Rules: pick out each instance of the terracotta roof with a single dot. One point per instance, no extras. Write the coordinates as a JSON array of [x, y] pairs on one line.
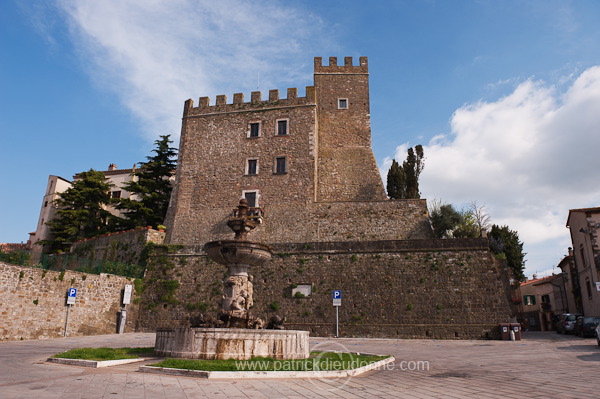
[[112, 172], [118, 172], [542, 280]]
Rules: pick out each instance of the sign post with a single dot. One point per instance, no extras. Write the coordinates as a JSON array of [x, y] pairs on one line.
[[336, 295], [126, 300], [71, 296]]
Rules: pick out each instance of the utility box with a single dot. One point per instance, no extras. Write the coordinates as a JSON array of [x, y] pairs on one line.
[[504, 331], [516, 328]]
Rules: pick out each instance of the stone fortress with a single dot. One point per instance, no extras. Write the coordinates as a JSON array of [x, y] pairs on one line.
[[305, 166], [307, 161]]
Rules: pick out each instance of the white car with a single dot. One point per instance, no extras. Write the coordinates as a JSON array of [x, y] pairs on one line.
[[598, 334]]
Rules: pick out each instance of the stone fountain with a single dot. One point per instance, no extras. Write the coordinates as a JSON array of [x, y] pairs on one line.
[[236, 334]]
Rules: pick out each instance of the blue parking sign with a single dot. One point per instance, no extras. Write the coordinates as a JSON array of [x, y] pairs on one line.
[[336, 294], [71, 295]]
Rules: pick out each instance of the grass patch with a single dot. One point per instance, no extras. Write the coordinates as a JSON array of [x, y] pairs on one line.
[[316, 361], [105, 353]]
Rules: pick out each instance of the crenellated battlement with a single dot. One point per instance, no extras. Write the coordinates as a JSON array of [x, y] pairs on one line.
[[333, 67], [256, 102]]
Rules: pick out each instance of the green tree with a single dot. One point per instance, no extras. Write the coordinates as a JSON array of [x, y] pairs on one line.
[[81, 211], [447, 222], [152, 188], [403, 181], [444, 219], [467, 226], [504, 241]]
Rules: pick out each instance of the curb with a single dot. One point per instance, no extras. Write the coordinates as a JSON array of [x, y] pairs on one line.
[[95, 363], [266, 374]]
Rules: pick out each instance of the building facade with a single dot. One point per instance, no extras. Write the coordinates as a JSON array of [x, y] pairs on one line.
[[57, 185], [584, 226], [539, 300]]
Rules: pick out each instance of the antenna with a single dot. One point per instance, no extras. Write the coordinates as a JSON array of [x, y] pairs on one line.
[[257, 80]]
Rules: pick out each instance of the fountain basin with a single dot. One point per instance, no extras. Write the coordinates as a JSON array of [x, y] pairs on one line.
[[238, 343], [234, 252]]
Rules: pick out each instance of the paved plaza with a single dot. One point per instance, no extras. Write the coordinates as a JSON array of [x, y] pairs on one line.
[[542, 365]]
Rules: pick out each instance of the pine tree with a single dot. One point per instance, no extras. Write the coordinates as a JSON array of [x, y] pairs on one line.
[[152, 188], [82, 211]]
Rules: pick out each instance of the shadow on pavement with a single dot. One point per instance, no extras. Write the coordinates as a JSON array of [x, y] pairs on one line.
[[594, 357], [579, 348]]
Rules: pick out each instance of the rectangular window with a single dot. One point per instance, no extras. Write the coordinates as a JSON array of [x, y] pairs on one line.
[[252, 167], [252, 198], [342, 103], [280, 165], [115, 194], [254, 129], [588, 286], [282, 128], [545, 298], [529, 299]]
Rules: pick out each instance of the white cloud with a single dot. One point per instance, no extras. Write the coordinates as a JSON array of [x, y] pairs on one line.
[[530, 157], [156, 54]]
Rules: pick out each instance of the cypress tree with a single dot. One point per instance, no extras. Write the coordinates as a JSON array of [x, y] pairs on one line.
[[403, 181]]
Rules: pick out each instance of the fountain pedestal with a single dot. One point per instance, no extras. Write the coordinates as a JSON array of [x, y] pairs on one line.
[[231, 343], [237, 340]]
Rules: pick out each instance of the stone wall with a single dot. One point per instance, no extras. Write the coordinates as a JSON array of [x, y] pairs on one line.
[[418, 288], [321, 222], [212, 170], [33, 303], [125, 246]]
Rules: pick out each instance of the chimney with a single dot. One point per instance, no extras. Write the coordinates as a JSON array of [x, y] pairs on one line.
[[112, 166]]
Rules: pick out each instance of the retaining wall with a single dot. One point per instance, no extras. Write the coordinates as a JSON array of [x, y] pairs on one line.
[[33, 303], [407, 289]]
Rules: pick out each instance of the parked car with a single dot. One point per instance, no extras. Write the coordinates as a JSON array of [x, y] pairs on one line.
[[585, 326], [598, 334], [566, 323]]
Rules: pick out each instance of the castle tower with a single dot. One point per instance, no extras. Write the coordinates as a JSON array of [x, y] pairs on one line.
[[346, 166], [307, 161]]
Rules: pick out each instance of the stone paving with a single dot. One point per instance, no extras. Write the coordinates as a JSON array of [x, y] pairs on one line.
[[542, 365]]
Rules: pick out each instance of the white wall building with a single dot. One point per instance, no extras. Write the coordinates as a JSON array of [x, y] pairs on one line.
[[57, 185]]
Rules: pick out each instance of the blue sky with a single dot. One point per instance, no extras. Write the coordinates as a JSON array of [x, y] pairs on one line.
[[504, 95]]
